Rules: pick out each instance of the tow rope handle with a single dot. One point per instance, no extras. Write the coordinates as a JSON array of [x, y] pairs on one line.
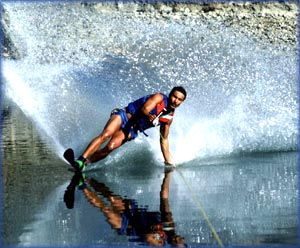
[[155, 122]]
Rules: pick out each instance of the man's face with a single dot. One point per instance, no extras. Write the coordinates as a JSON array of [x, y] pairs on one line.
[[175, 99]]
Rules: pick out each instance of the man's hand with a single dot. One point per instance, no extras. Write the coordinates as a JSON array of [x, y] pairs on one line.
[[151, 117], [171, 163]]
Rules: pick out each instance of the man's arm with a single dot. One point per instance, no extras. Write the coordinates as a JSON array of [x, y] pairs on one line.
[[164, 199], [164, 143], [150, 104]]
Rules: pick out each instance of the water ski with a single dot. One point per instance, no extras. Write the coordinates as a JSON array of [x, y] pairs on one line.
[[69, 156]]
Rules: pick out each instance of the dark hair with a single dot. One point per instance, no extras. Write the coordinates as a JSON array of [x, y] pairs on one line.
[[180, 89]]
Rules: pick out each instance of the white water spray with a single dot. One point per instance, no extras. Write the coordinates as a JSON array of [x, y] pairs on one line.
[[241, 97]]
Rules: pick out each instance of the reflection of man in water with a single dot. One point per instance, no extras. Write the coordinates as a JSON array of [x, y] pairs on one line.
[[154, 228]]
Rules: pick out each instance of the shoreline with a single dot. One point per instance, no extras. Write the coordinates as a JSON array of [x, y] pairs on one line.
[[267, 22]]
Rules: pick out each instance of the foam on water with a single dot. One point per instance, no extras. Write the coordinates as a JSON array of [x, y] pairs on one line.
[[80, 64]]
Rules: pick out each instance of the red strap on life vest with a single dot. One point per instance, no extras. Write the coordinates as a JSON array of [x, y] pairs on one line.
[[165, 118], [160, 107]]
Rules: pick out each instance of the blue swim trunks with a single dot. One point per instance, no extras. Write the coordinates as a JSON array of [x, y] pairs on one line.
[[126, 125]]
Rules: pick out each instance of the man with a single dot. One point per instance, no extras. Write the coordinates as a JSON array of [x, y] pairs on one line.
[[124, 125]]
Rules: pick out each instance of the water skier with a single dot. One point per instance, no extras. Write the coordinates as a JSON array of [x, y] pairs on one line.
[[124, 125]]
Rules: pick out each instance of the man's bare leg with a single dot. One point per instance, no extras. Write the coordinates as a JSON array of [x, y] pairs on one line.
[[112, 126], [116, 141]]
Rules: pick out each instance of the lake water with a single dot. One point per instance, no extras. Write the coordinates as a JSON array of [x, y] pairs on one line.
[[247, 200]]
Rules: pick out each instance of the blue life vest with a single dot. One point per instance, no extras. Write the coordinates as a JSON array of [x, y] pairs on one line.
[[143, 122]]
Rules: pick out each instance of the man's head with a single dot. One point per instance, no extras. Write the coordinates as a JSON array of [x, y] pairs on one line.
[[176, 97], [180, 89]]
